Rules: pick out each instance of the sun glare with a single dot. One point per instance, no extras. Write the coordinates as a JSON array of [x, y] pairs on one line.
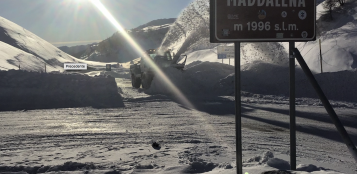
[[159, 73], [141, 52]]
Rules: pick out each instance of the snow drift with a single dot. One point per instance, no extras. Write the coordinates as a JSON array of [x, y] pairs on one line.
[[33, 90], [199, 78]]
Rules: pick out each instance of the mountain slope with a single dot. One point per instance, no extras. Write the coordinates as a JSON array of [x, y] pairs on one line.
[[116, 48], [28, 48], [338, 40], [76, 51], [25, 60]]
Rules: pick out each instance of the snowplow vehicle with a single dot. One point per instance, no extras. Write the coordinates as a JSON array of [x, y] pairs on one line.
[[142, 73]]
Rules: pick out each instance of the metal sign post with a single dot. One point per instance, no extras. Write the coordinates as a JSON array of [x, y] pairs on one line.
[[339, 126], [263, 21], [238, 117], [320, 55], [292, 107], [108, 67]]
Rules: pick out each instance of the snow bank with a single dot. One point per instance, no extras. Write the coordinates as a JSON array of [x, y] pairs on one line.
[[269, 79], [212, 78], [199, 78], [67, 166], [268, 164], [273, 53], [32, 90]]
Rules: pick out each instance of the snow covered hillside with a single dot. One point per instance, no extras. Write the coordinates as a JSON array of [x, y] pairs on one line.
[[190, 35], [76, 51], [12, 58], [338, 40], [117, 49], [18, 45]]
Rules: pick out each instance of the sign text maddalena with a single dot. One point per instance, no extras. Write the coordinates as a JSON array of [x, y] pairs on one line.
[[267, 3]]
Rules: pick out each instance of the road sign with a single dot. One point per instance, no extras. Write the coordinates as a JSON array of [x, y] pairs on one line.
[[225, 52], [262, 20], [108, 67]]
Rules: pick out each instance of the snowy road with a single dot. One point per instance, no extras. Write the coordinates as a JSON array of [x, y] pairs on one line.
[[120, 138]]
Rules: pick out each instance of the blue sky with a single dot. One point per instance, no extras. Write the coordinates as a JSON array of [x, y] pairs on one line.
[[77, 22]]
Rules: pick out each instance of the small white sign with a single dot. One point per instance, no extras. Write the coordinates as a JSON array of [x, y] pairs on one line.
[[225, 52], [75, 66]]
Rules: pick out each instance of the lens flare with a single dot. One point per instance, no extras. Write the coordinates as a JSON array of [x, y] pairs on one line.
[[141, 52], [159, 73]]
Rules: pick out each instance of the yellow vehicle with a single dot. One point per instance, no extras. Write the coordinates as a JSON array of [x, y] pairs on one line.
[[142, 73]]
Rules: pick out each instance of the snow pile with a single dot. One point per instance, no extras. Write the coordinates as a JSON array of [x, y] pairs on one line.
[[41, 51], [268, 159], [278, 163], [267, 163], [273, 53], [212, 78], [199, 78], [67, 166], [33, 90], [264, 78]]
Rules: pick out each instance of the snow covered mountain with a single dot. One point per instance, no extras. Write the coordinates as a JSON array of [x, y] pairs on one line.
[[117, 49], [19, 46], [76, 51]]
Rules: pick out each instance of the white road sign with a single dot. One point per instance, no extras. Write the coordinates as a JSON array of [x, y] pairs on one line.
[[225, 52]]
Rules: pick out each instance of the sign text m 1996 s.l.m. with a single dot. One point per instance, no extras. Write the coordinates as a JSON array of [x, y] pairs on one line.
[[262, 20]]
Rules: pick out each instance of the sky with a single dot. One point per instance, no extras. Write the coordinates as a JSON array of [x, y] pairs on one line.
[[78, 22]]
